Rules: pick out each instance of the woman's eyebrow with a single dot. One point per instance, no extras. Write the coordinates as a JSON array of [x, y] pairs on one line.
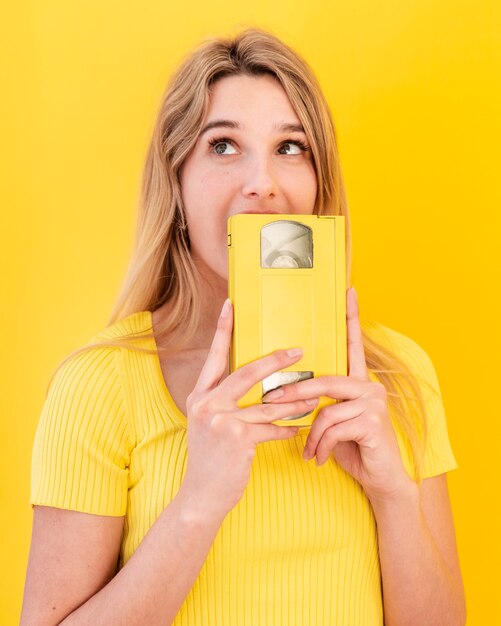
[[286, 128], [221, 124], [290, 128]]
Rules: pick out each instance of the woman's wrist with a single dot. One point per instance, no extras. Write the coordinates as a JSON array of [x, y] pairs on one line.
[[195, 511], [406, 495]]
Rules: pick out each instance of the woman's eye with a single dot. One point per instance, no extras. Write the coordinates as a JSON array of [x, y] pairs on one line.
[[292, 147], [222, 146]]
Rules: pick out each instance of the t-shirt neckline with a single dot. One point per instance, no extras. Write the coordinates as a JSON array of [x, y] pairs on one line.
[[177, 413]]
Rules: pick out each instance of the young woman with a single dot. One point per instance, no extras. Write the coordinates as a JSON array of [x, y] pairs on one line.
[[157, 499]]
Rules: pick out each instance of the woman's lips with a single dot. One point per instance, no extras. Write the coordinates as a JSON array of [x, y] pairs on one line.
[[260, 212]]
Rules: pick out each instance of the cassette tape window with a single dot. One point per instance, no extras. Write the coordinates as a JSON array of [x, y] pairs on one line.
[[286, 244], [158, 498]]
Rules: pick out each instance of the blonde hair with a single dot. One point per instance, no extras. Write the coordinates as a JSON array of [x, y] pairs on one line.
[[161, 269]]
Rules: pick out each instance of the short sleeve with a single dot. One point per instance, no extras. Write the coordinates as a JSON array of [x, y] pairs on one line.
[[438, 454], [81, 449]]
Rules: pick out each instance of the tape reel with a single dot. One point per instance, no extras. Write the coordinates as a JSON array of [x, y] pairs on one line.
[[285, 378], [286, 244]]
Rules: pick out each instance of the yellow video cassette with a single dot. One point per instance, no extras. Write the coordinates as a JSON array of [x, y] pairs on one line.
[[287, 283]]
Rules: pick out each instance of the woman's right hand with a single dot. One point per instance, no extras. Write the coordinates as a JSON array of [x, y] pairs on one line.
[[222, 437]]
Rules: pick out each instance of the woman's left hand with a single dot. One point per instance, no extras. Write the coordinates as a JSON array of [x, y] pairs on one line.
[[357, 431]]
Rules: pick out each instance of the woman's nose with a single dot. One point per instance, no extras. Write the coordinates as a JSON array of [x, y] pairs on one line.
[[259, 180]]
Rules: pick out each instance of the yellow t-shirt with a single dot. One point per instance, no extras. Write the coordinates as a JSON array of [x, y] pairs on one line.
[[300, 548]]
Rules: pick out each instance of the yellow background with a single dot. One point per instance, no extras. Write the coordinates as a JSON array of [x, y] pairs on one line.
[[415, 92]]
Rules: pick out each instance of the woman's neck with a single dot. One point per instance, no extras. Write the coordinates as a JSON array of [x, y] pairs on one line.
[[212, 297]]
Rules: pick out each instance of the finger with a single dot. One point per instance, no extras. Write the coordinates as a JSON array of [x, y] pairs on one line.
[[328, 417], [217, 359], [271, 432], [336, 387], [267, 413], [356, 355], [346, 431], [244, 378]]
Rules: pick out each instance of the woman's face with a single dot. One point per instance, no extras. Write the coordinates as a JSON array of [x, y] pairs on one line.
[[251, 156]]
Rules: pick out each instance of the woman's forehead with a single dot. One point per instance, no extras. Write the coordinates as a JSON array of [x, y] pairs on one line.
[[241, 96]]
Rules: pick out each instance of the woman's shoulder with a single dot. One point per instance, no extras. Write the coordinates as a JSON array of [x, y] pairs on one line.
[[95, 362], [410, 351], [134, 324]]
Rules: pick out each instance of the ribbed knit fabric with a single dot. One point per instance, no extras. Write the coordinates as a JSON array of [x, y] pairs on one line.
[[299, 549]]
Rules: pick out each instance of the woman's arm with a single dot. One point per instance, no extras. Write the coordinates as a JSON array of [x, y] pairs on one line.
[[419, 562], [74, 555], [421, 580], [72, 565]]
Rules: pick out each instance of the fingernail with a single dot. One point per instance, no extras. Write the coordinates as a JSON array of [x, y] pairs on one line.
[[273, 395], [312, 401], [294, 352], [354, 292], [226, 308], [306, 455]]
